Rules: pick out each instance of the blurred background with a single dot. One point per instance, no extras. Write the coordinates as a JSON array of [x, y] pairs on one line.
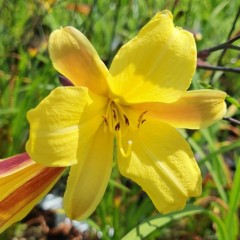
[[27, 76]]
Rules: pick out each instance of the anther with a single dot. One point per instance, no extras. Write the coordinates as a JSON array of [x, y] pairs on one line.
[[114, 114], [117, 127], [105, 119], [126, 119], [140, 119]]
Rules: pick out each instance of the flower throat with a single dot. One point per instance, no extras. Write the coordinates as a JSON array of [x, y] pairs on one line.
[[118, 123]]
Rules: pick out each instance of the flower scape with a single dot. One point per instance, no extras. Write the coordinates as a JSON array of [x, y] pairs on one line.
[[136, 105]]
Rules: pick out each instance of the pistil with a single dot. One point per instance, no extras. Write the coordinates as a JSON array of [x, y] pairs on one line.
[[129, 145]]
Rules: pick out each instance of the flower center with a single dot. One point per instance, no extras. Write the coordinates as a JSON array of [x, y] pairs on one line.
[[118, 123]]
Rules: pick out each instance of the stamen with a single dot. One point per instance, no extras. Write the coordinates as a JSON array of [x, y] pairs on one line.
[[105, 119], [105, 126], [140, 119], [109, 117], [117, 127], [126, 119], [114, 115], [129, 148]]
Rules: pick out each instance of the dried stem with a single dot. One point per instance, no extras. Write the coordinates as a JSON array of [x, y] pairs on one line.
[[203, 54], [229, 36], [232, 120], [206, 52], [218, 68]]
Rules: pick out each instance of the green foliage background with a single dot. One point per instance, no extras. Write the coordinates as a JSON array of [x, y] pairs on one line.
[[27, 76]]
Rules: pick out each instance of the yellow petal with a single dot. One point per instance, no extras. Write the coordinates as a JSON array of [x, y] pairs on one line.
[[194, 110], [73, 56], [162, 163], [155, 66], [54, 126], [23, 189], [88, 179]]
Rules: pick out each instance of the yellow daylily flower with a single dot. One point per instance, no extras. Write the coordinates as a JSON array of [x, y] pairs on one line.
[[139, 101]]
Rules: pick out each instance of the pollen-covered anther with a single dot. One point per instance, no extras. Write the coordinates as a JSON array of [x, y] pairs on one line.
[[115, 118], [105, 119], [141, 120], [117, 127], [126, 119]]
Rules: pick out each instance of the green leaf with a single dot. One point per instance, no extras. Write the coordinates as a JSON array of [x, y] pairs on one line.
[[152, 224], [233, 101], [232, 215], [221, 230]]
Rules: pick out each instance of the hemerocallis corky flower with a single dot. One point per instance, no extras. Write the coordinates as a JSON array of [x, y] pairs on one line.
[[139, 102], [22, 184]]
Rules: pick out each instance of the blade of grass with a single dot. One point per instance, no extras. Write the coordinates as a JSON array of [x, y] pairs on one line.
[[152, 224], [221, 229], [216, 160], [234, 201], [210, 168], [224, 149]]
